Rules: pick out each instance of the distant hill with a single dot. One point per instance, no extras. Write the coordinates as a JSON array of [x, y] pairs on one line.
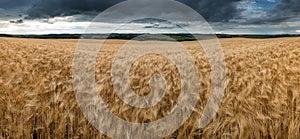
[[166, 37]]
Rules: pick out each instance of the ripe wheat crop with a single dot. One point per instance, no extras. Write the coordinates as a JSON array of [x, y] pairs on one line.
[[261, 99]]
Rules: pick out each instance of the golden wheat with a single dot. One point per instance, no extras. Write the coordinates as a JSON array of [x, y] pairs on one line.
[[261, 99]]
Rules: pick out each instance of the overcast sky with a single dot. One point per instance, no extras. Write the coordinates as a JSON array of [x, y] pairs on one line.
[[74, 16]]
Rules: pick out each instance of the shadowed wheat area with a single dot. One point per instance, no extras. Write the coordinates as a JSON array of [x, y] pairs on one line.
[[261, 99]]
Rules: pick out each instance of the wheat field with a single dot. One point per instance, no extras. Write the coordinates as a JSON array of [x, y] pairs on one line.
[[261, 99]]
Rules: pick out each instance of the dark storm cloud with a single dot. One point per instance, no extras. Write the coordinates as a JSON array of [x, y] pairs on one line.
[[19, 21], [9, 4], [215, 10], [12, 9], [53, 8], [211, 10], [291, 7]]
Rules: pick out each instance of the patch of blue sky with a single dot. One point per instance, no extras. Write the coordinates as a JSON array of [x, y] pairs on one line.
[[256, 8], [267, 4]]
